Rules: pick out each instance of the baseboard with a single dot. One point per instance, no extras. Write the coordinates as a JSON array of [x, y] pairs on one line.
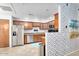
[[71, 52]]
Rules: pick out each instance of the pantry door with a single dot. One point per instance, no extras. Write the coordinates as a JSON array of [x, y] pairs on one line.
[[4, 33]]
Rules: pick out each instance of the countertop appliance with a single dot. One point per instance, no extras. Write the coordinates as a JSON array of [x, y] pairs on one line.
[[51, 28], [35, 29]]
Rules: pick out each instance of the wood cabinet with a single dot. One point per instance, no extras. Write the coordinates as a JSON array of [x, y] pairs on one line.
[[15, 22], [36, 38], [4, 33], [56, 24], [27, 25], [44, 26], [25, 39], [39, 38], [42, 36], [36, 24]]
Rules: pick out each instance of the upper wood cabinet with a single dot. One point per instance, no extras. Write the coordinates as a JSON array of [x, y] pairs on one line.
[[17, 22], [27, 25], [36, 24], [44, 26], [54, 22], [30, 25]]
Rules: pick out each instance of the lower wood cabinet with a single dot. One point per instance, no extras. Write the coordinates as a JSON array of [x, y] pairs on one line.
[[39, 38], [36, 38], [25, 39]]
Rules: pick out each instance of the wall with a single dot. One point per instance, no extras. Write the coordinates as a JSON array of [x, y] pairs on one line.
[[59, 43], [78, 11]]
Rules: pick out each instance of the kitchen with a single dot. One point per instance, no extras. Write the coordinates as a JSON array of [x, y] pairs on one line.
[[39, 29], [34, 32], [22, 31], [36, 28]]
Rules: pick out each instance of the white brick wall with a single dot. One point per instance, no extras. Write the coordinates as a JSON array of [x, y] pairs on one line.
[[59, 44]]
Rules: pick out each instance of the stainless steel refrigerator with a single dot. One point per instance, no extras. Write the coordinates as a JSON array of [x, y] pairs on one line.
[[17, 35]]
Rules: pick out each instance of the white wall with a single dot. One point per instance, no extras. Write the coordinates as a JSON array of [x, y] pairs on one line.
[[4, 16], [59, 43], [78, 15]]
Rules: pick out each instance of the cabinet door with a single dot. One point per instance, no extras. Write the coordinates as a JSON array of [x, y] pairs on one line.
[[27, 25], [36, 24], [25, 39], [39, 38], [44, 26], [42, 36], [36, 38], [56, 24]]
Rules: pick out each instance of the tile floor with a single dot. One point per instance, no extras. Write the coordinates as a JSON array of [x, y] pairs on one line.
[[26, 50], [74, 54]]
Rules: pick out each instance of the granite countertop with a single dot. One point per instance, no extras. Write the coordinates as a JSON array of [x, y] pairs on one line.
[[25, 33]]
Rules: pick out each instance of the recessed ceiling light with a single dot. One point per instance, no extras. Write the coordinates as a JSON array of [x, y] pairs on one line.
[[78, 9], [30, 14], [67, 4]]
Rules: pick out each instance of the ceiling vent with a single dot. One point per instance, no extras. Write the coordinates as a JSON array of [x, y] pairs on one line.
[[6, 8]]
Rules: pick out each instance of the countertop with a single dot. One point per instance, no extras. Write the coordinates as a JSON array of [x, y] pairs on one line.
[[31, 32]]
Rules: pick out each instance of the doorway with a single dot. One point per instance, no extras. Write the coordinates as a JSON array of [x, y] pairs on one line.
[[4, 33]]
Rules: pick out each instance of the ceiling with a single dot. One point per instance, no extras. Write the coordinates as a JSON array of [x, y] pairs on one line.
[[41, 11], [35, 10]]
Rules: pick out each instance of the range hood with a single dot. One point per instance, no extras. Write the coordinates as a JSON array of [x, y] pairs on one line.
[[35, 29]]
